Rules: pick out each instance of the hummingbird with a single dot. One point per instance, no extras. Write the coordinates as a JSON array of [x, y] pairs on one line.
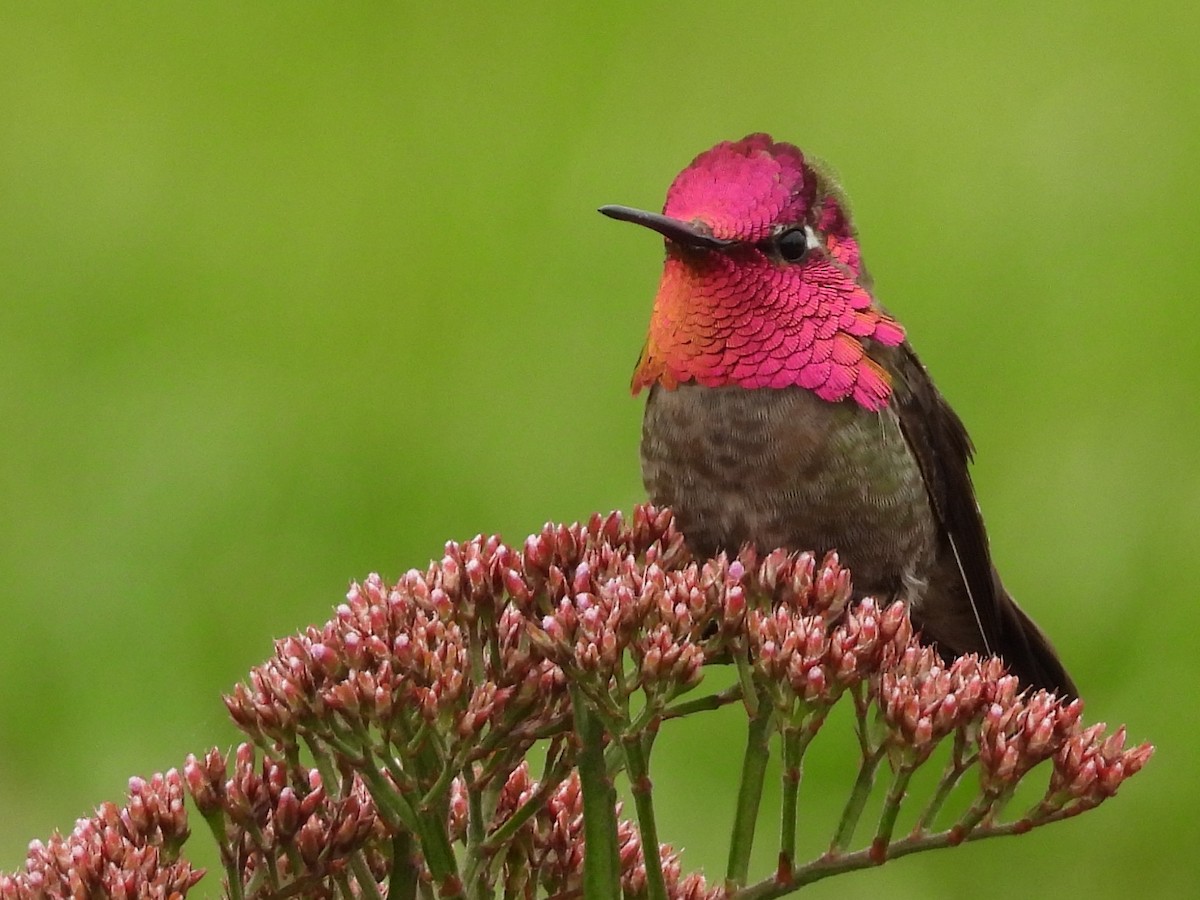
[[786, 408]]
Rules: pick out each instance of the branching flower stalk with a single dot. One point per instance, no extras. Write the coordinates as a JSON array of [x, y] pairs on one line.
[[391, 751]]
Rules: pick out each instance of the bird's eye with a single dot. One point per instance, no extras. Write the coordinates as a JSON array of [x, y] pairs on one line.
[[792, 244]]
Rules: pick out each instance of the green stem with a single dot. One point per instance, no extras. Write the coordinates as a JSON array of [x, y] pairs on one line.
[[475, 649], [998, 805], [791, 776], [703, 704], [956, 767], [754, 772], [325, 766], [751, 695], [270, 869], [402, 885], [391, 803], [426, 753], [367, 886], [440, 788], [650, 735], [557, 725], [258, 885], [475, 820], [639, 780], [614, 760], [650, 712], [858, 799], [439, 854], [975, 813], [342, 880], [474, 873], [836, 864], [494, 643], [601, 863], [891, 809], [216, 824], [862, 718], [534, 804], [303, 886], [795, 745], [428, 825]]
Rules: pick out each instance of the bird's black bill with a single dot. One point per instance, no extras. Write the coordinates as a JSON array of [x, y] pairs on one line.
[[682, 233]]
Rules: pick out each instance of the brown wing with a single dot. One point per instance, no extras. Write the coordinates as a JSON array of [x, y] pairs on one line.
[[966, 608]]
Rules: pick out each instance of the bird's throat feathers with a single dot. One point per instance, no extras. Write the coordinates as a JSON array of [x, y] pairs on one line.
[[757, 313]]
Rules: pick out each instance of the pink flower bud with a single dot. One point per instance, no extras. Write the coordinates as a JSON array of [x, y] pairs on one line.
[[538, 553], [476, 576]]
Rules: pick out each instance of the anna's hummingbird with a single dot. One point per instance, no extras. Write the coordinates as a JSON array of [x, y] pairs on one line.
[[786, 408]]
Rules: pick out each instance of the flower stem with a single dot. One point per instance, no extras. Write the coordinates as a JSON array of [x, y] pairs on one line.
[[795, 744], [601, 863], [216, 824], [435, 842], [639, 780], [496, 840], [792, 773], [857, 801], [970, 819], [754, 770], [836, 864], [751, 696], [700, 704], [474, 874], [367, 886], [891, 809], [392, 805], [956, 767], [402, 885]]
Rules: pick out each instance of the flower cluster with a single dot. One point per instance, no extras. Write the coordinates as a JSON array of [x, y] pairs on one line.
[[390, 747], [120, 852], [814, 658], [279, 828], [1021, 730], [547, 848], [1090, 766], [450, 647], [923, 700]]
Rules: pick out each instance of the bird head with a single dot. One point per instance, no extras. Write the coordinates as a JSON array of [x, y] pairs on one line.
[[763, 285]]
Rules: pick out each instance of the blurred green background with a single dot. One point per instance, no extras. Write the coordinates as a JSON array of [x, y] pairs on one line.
[[292, 294]]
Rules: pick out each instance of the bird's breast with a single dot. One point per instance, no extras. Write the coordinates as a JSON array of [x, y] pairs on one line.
[[783, 468]]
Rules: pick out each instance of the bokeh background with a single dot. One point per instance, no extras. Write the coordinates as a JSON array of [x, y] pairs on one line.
[[293, 294]]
